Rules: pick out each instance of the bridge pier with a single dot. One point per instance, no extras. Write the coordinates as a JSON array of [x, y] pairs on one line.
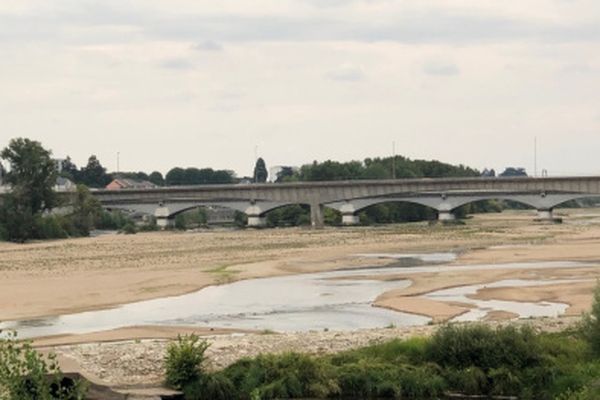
[[350, 219], [547, 215], [163, 219], [446, 215], [165, 223], [317, 219], [256, 221]]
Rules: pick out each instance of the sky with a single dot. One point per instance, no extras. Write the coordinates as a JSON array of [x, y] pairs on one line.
[[200, 83]]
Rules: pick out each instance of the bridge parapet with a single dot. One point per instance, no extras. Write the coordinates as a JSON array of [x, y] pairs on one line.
[[349, 197]]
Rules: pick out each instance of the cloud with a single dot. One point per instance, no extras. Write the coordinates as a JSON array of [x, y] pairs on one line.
[[208, 45], [346, 73], [440, 68], [426, 24], [177, 64]]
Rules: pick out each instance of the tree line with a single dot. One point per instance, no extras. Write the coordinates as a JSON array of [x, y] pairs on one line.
[[25, 211]]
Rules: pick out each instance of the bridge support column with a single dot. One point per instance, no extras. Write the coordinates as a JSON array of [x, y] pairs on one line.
[[350, 219], [547, 215], [165, 223], [163, 220], [256, 221], [317, 220], [446, 215]]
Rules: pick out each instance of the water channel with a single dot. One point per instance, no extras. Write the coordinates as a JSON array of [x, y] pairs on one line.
[[304, 302]]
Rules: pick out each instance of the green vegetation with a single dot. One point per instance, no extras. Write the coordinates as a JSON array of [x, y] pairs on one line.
[[31, 210], [27, 375], [468, 360], [184, 360], [260, 171], [194, 176]]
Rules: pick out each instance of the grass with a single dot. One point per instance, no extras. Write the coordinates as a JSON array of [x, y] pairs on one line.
[[223, 274]]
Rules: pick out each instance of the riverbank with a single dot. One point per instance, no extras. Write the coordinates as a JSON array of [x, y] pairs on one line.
[[131, 364]]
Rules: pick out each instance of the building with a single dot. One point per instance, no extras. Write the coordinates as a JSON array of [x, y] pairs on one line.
[[125, 183], [64, 185]]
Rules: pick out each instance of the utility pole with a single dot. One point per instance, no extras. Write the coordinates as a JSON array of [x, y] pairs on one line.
[[393, 160], [118, 161], [535, 157], [255, 160]]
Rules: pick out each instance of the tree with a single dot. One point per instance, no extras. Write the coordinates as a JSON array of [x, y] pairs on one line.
[[156, 178], [32, 174], [510, 172], [285, 174], [260, 171], [32, 177], [69, 170], [175, 177], [2, 174], [94, 174], [86, 211]]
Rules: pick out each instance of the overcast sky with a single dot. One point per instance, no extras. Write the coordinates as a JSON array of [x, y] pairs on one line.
[[201, 83]]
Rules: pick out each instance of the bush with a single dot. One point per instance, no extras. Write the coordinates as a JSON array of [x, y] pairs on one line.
[[129, 228], [421, 383], [184, 360], [591, 324], [485, 348], [288, 375], [27, 375], [369, 379], [51, 227], [210, 387], [180, 223]]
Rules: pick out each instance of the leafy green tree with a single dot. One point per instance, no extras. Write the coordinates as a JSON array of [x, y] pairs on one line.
[[69, 170], [32, 177], [156, 178], [194, 176], [510, 172], [285, 175], [175, 177], [260, 171], [32, 174], [87, 211], [94, 174]]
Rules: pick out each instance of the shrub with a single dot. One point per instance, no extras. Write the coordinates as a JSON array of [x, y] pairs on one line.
[[27, 375], [288, 375], [129, 228], [471, 381], [369, 379], [50, 227], [591, 324], [180, 223], [210, 387], [184, 359], [484, 347], [421, 383]]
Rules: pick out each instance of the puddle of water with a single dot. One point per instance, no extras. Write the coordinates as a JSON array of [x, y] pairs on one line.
[[483, 307], [430, 258], [291, 303]]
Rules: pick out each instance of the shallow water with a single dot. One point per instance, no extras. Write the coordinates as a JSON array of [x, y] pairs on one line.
[[291, 303], [482, 307]]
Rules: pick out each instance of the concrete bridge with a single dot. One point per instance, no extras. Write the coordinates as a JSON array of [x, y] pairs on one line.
[[349, 197]]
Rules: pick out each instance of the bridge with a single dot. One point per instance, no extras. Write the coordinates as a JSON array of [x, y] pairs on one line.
[[350, 197]]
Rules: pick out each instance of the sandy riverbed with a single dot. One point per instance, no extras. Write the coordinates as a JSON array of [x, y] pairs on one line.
[[51, 278]]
